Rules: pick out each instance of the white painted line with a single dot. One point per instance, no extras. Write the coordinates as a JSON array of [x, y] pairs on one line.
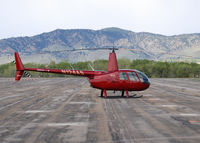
[[86, 88], [148, 95], [84, 93], [170, 105], [181, 114], [29, 125], [69, 90], [10, 105], [65, 124], [167, 138], [185, 114], [154, 99], [82, 103], [38, 111], [11, 96]]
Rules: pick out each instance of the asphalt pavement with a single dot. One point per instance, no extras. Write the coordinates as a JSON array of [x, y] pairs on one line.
[[68, 110]]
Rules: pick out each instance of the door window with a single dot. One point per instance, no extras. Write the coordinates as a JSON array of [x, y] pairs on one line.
[[122, 76], [132, 76]]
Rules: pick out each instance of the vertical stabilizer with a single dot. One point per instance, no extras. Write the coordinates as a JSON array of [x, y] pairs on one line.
[[19, 67], [112, 63]]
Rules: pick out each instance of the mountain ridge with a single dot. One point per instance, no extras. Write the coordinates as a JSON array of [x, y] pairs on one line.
[[144, 45]]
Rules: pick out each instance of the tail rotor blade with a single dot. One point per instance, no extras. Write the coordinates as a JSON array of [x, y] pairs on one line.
[[27, 74], [13, 62]]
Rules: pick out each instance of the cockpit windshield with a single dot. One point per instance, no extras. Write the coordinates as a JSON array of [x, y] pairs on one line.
[[143, 77]]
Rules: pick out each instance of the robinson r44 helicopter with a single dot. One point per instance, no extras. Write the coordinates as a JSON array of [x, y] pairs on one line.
[[112, 79]]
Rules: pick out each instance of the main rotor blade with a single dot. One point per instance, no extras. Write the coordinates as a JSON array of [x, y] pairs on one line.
[[87, 49], [169, 53], [80, 49]]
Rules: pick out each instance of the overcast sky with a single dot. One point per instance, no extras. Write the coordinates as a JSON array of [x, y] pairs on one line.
[[31, 17]]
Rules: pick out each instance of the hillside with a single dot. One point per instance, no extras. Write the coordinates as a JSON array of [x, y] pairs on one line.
[[39, 48]]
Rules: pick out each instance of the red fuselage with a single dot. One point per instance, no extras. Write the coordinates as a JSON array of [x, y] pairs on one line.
[[113, 81]]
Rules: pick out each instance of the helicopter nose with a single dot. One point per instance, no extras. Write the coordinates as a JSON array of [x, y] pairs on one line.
[[146, 84]]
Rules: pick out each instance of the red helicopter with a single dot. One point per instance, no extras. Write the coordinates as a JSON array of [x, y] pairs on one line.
[[112, 79]]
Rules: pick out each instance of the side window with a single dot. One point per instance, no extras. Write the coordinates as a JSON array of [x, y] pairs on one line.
[[122, 76], [132, 76]]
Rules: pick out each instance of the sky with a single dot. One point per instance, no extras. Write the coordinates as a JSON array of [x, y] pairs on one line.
[[32, 17]]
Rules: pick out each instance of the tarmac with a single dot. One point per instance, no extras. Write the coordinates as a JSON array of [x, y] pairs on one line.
[[68, 110]]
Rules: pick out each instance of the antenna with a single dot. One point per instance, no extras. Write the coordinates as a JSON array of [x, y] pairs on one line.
[[71, 66], [91, 67]]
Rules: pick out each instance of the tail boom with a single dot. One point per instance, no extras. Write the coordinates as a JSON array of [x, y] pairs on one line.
[[67, 72], [20, 70]]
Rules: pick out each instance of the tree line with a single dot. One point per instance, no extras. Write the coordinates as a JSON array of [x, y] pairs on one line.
[[153, 69]]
